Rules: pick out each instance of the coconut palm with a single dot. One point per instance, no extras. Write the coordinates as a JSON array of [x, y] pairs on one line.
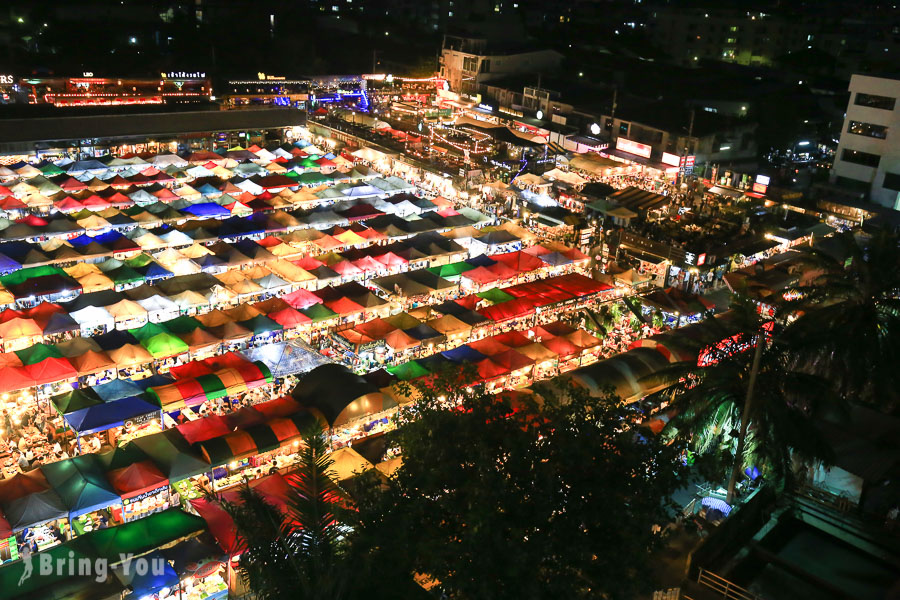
[[742, 397], [295, 552], [849, 329]]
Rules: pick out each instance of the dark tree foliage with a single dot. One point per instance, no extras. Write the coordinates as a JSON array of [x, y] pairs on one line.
[[498, 498], [849, 325]]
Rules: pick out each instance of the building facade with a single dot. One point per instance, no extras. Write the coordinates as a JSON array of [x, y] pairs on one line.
[[466, 63], [868, 155]]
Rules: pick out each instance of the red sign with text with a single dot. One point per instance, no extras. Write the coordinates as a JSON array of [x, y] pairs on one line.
[[626, 145]]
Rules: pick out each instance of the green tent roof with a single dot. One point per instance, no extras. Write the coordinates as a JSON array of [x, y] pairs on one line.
[[23, 275], [171, 453], [312, 177], [164, 344], [50, 170], [318, 312], [451, 270], [75, 400], [212, 386], [139, 537], [182, 324], [124, 274], [141, 260], [494, 295], [147, 331], [409, 370], [260, 324], [81, 483], [37, 352]]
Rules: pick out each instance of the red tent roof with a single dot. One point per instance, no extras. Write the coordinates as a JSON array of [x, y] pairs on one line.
[[51, 370], [15, 378], [488, 369], [5, 191], [194, 368], [481, 275], [203, 429], [279, 407], [72, 184], [344, 306], [511, 309], [11, 203], [301, 299], [390, 259], [136, 479], [561, 346], [165, 194], [512, 360], [68, 204], [309, 263], [367, 263], [289, 317], [94, 202], [488, 346], [32, 221], [513, 339], [346, 268], [520, 261]]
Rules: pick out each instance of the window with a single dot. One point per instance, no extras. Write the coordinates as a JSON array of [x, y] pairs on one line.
[[733, 28], [623, 129], [892, 181], [874, 101], [485, 66], [867, 129], [470, 63], [731, 41], [860, 158]]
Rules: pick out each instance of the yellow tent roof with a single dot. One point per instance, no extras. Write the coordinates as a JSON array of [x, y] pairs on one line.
[[95, 282], [196, 250], [126, 309], [347, 463], [81, 269], [19, 328]]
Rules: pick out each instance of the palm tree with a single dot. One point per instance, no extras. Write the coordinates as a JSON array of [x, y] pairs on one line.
[[743, 397], [849, 328], [296, 552]]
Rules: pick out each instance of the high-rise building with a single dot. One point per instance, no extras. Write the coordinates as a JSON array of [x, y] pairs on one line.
[[868, 155]]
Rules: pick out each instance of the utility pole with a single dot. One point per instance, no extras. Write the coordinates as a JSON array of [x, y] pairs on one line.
[[686, 149], [374, 61]]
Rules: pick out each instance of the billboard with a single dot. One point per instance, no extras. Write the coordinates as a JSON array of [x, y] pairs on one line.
[[673, 160], [626, 145]]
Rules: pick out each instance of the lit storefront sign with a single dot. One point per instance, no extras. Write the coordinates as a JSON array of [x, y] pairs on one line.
[[626, 145], [673, 160]]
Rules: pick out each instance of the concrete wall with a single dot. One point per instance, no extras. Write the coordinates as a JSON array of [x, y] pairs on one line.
[[888, 149]]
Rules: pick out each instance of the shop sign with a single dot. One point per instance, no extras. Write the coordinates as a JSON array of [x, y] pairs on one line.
[[760, 188], [7, 79], [486, 107], [690, 258], [673, 160], [701, 260], [686, 164], [763, 179], [631, 147], [183, 75], [143, 495]]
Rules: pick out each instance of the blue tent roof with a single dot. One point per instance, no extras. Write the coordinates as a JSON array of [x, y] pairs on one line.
[[82, 240], [108, 415], [482, 260], [422, 332], [153, 381], [114, 339], [117, 389], [149, 583], [153, 271], [16, 250], [461, 354], [8, 265], [207, 209], [81, 483], [210, 261], [207, 189]]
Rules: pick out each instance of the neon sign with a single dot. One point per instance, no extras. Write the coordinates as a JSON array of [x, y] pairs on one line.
[[631, 147]]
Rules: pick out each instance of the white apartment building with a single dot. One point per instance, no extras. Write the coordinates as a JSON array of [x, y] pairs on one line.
[[868, 155], [466, 63]]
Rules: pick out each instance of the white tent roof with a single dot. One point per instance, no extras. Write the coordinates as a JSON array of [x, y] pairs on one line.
[[92, 316]]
